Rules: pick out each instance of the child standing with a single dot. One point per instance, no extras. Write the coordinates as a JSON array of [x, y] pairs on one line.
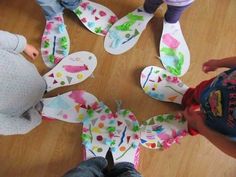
[[22, 87], [217, 98], [210, 107], [174, 52], [55, 44]]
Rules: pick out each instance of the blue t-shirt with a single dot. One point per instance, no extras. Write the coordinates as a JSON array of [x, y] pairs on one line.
[[218, 102]]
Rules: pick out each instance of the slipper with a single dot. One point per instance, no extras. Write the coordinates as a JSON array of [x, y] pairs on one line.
[[174, 52], [73, 69], [160, 132], [162, 85], [95, 17], [69, 107], [124, 34], [55, 43]]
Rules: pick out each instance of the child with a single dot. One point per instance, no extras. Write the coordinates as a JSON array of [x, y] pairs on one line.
[[95, 167], [174, 52], [55, 44], [22, 87], [172, 39], [217, 97]]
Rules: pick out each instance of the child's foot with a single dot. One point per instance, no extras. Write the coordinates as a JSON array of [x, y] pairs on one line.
[[69, 107], [124, 34], [127, 138], [162, 85], [174, 52], [95, 17], [160, 132], [55, 44], [73, 69]]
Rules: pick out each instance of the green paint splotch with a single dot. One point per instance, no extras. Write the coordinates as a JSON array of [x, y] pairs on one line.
[[177, 68], [132, 20]]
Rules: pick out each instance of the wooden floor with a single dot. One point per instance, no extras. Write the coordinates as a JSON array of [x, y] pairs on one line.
[[55, 147]]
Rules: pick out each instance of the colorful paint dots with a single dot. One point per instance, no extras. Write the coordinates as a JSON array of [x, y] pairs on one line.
[[65, 116], [122, 148], [103, 117], [81, 117], [99, 138], [101, 125], [99, 150], [59, 74], [80, 76], [95, 16]]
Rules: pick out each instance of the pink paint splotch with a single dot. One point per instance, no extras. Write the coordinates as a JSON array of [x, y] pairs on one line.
[[75, 69], [78, 96], [170, 41]]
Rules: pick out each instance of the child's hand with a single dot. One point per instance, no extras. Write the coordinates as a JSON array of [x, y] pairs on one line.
[[210, 65], [31, 51], [194, 118]]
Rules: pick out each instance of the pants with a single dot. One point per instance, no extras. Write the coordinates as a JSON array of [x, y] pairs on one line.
[[94, 167], [172, 14], [53, 7], [192, 97]]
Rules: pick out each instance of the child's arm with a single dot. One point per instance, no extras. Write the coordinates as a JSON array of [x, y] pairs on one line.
[[220, 141], [12, 42], [16, 43], [196, 121], [212, 65]]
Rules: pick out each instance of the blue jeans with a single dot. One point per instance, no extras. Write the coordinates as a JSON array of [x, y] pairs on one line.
[[94, 167], [53, 7]]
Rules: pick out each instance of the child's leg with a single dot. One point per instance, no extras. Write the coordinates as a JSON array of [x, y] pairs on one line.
[[89, 168], [124, 169], [50, 8], [174, 13], [150, 6], [70, 4]]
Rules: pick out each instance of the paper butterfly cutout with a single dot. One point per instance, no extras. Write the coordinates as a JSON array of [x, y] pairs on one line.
[[120, 132]]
